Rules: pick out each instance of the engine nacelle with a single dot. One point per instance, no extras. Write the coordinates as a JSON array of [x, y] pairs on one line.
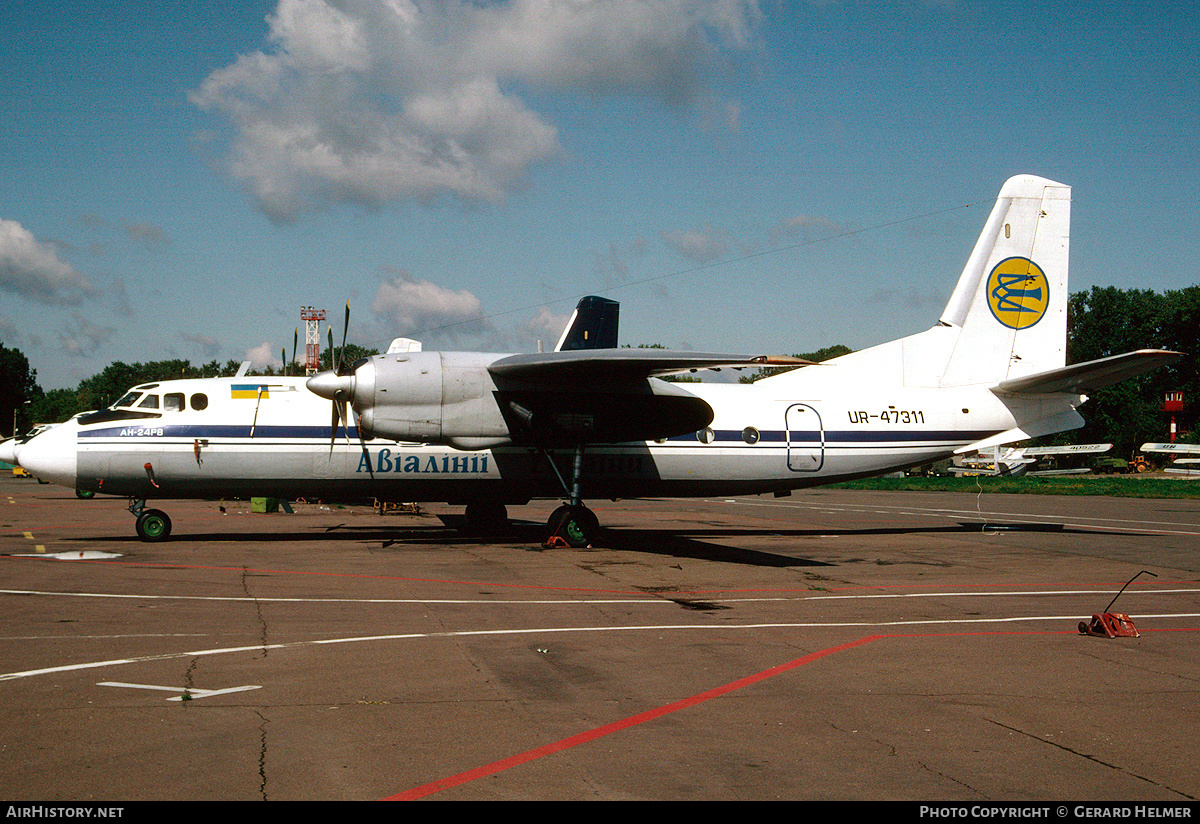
[[431, 397]]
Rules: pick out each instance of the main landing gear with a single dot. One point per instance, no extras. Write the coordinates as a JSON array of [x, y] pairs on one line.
[[486, 518], [572, 524], [152, 524]]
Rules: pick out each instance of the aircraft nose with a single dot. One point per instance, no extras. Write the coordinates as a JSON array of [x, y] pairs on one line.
[[51, 456], [8, 451], [330, 385]]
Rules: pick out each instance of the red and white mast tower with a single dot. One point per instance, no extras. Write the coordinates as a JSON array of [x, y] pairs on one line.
[[312, 338]]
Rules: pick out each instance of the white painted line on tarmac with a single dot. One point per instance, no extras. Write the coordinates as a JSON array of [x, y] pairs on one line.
[[188, 693], [661, 599], [1121, 524], [259, 648]]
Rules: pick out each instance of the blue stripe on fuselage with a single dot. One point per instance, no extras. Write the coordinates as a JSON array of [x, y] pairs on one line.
[[195, 431], [832, 438]]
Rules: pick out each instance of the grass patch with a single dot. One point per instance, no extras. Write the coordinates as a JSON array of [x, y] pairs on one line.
[[1115, 486]]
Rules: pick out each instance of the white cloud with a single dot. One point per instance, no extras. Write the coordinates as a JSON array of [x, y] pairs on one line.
[[8, 331], [807, 226], [547, 326], [699, 245], [409, 306], [208, 346], [374, 101], [81, 338], [148, 234], [33, 270], [262, 356]]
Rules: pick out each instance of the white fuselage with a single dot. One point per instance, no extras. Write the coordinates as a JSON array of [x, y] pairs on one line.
[[224, 438], [990, 372]]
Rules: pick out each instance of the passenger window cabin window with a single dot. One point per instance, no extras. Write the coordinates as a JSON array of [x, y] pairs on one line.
[[173, 401], [199, 401]]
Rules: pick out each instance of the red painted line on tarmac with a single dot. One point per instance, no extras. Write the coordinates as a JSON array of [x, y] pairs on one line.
[[608, 729], [681, 593], [503, 764], [323, 574]]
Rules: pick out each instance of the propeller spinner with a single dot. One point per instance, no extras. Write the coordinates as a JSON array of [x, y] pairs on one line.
[[337, 385]]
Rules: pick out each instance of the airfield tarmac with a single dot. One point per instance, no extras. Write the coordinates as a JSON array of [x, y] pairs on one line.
[[829, 645]]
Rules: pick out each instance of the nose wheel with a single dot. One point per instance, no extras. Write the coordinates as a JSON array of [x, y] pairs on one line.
[[152, 525]]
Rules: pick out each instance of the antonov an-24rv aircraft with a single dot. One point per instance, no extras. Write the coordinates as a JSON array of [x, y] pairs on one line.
[[487, 430]]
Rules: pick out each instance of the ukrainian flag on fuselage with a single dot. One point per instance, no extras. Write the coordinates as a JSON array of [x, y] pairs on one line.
[[247, 390]]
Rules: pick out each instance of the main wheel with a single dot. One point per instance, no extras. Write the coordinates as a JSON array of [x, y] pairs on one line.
[[153, 525], [486, 517], [577, 525]]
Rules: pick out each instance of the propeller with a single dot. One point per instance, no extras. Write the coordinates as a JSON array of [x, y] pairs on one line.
[[287, 365], [337, 385]]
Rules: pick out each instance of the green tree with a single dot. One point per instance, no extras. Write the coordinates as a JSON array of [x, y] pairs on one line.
[[675, 378], [352, 354], [1109, 321], [18, 387], [55, 406], [821, 355]]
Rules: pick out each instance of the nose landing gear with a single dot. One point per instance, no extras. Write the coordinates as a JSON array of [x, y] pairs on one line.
[[152, 525]]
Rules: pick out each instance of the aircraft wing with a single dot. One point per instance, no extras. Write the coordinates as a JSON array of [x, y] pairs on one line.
[[1086, 378], [605, 395], [586, 367], [1177, 448], [1070, 449]]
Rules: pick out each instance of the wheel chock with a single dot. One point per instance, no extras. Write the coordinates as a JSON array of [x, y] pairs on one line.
[[1109, 625], [1112, 624], [555, 542]]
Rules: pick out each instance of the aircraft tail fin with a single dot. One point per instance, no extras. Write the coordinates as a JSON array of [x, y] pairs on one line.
[[593, 325], [1010, 304]]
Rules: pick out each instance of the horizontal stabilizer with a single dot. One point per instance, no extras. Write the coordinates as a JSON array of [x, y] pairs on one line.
[[1086, 378], [1061, 422]]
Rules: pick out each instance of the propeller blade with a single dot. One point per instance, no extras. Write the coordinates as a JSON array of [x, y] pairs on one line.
[[345, 330], [366, 455], [283, 357], [340, 413], [333, 425], [295, 342]]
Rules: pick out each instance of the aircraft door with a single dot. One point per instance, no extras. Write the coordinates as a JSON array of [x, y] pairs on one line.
[[805, 438]]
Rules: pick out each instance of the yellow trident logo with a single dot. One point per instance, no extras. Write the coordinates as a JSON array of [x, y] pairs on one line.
[[1018, 293]]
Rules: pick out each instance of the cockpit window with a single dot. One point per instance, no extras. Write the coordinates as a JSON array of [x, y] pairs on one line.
[[149, 402], [173, 401], [129, 400]]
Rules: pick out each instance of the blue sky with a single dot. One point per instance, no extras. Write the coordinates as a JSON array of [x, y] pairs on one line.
[[177, 180]]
